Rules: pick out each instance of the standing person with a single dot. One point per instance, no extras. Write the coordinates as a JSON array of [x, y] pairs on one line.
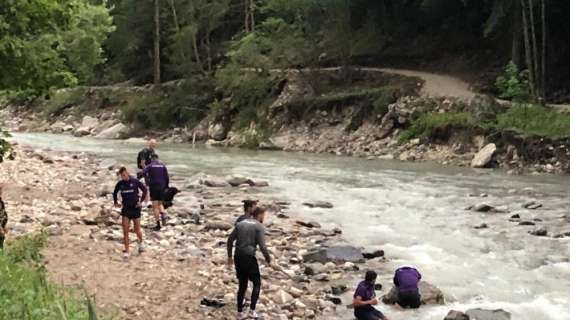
[[157, 176], [248, 207], [248, 234], [3, 219], [129, 188], [406, 280], [145, 155], [365, 299]]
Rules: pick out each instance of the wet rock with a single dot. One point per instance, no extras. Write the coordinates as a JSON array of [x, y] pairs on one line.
[[532, 205], [486, 208], [481, 226], [215, 183], [213, 303], [218, 225], [484, 156], [527, 223], [516, 216], [562, 235], [373, 254], [87, 125], [238, 181], [308, 224], [540, 232], [430, 295], [319, 204], [481, 314], [268, 145], [338, 290], [456, 315], [261, 184], [217, 131], [339, 254], [333, 299]]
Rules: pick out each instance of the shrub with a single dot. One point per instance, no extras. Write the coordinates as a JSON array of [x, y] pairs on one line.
[[423, 126], [513, 84], [63, 99], [535, 120]]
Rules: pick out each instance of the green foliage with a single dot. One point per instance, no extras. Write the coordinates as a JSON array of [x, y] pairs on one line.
[[184, 105], [425, 125], [49, 43], [63, 99], [535, 120], [26, 293], [513, 84]]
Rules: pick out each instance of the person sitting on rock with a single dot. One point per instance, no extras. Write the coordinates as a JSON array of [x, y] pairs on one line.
[[248, 207], [406, 280], [129, 187], [158, 181], [3, 219], [248, 234], [365, 299]]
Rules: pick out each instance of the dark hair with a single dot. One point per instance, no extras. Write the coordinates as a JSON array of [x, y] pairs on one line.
[[121, 170], [247, 204], [258, 211], [154, 156], [370, 276]]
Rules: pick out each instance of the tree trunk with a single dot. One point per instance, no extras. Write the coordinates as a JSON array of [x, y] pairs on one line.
[[156, 42], [246, 14], [534, 50], [209, 52], [517, 36], [544, 51], [252, 15], [528, 49], [177, 26], [196, 52]]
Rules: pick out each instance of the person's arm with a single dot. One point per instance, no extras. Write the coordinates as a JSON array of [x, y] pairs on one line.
[[167, 177], [230, 243], [143, 189], [115, 193], [358, 302], [260, 239]]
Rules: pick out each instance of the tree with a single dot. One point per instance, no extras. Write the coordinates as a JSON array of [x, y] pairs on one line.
[[156, 42]]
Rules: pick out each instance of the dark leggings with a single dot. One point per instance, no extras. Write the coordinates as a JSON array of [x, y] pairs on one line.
[[247, 270], [368, 313]]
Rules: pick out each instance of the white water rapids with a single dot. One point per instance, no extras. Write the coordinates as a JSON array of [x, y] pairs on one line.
[[415, 212]]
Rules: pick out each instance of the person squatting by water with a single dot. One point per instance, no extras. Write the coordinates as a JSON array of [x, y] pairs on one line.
[[365, 299], [248, 234], [156, 174], [248, 207], [3, 219], [406, 280], [131, 200]]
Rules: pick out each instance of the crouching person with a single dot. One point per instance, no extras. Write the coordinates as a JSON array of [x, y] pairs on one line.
[[365, 299], [406, 280]]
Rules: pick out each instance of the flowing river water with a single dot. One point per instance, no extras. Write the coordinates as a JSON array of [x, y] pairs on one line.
[[415, 212]]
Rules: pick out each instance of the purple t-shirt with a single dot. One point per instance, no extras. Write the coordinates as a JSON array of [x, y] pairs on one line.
[[157, 174], [365, 291], [407, 279]]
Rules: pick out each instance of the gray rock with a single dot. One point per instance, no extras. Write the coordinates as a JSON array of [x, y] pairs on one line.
[[481, 314], [308, 224], [532, 205], [238, 181], [218, 225], [562, 235], [217, 131], [117, 131], [319, 204], [373, 254], [108, 164], [261, 184], [484, 156], [342, 253], [540, 232], [215, 183], [430, 295], [456, 315]]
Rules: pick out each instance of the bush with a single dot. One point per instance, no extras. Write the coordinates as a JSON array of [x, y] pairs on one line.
[[535, 120], [427, 123], [513, 85], [26, 293], [22, 97], [63, 99]]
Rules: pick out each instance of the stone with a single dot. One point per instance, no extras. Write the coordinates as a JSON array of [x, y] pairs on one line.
[[108, 164], [238, 181], [532, 205], [218, 225], [456, 315], [540, 232], [527, 223], [261, 184], [373, 254], [481, 314], [87, 125], [430, 295], [338, 290], [282, 297], [484, 156], [319, 204], [117, 131], [308, 224], [333, 299], [215, 183], [295, 292], [268, 145], [217, 131], [341, 253], [562, 235]]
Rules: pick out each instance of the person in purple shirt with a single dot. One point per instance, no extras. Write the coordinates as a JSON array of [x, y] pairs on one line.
[[157, 176], [130, 206], [365, 299], [406, 280]]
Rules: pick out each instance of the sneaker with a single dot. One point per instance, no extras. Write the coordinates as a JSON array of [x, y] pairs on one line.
[[157, 227], [253, 314], [125, 256], [141, 248], [163, 218], [241, 315]]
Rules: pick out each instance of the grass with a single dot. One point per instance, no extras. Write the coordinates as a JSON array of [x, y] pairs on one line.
[[26, 293], [64, 99], [427, 123]]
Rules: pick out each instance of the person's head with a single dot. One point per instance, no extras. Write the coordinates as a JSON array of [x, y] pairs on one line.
[[370, 277], [124, 174], [249, 206], [152, 144], [154, 157], [258, 214]]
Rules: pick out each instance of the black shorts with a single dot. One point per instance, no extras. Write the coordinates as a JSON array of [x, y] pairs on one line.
[[157, 193], [368, 313], [131, 213], [409, 299], [247, 268]]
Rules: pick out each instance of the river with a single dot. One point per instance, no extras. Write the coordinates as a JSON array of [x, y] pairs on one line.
[[415, 212]]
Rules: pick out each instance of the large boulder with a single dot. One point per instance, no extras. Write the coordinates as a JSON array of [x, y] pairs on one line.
[[87, 125], [456, 315], [319, 204], [341, 253], [481, 314], [238, 181], [117, 131], [484, 156], [430, 295], [217, 131], [58, 127]]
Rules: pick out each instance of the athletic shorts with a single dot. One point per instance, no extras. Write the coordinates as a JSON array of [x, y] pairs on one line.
[[368, 313], [131, 213], [409, 299], [247, 268], [156, 193]]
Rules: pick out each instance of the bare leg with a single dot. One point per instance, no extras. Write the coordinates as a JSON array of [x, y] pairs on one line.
[[126, 226], [156, 210], [137, 223]]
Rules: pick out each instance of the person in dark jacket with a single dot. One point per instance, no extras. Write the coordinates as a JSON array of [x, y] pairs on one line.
[[3, 219], [248, 235], [145, 155], [406, 280], [156, 174], [365, 299], [130, 206], [248, 207]]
